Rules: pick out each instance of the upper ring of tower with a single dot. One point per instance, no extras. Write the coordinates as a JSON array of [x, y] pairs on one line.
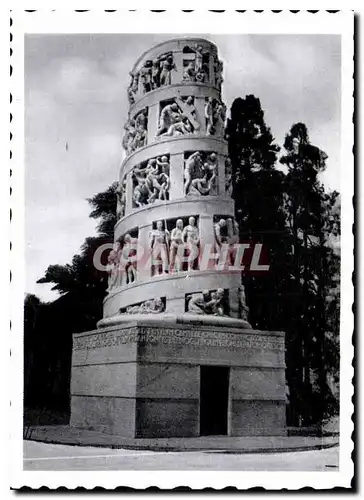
[[182, 61]]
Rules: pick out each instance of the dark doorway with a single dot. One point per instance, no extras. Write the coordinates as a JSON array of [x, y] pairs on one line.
[[214, 395]]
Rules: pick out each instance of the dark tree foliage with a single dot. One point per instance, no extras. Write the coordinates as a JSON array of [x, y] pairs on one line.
[[308, 210], [49, 327], [104, 209], [289, 213], [258, 195]]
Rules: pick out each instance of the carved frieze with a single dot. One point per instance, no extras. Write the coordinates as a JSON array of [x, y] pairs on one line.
[[175, 336]]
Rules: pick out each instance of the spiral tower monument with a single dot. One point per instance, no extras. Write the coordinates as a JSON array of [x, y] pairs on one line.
[[174, 354]]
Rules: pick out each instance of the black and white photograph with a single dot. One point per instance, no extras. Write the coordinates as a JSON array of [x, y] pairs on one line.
[[184, 301]]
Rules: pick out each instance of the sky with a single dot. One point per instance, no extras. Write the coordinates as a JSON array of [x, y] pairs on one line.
[[76, 107]]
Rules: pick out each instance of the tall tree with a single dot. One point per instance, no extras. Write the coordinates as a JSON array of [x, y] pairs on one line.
[[289, 213], [49, 326], [307, 206], [258, 195]]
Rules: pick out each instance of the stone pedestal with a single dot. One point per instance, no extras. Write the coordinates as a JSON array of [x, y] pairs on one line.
[[143, 379]]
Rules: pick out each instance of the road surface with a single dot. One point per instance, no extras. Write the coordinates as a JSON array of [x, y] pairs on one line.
[[42, 456]]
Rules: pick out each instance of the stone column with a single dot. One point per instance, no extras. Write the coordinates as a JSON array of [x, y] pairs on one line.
[[153, 118], [129, 193], [177, 75], [221, 176], [207, 242], [211, 69], [200, 112], [234, 302], [143, 255], [176, 168]]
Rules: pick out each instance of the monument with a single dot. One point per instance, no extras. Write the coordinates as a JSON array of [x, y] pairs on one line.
[[174, 354]]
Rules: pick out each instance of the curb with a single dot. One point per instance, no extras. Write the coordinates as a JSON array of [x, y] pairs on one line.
[[319, 446]]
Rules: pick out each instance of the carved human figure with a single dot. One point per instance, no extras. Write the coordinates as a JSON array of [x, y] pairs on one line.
[[112, 266], [135, 86], [167, 65], [157, 179], [141, 192], [129, 90], [176, 246], [146, 76], [170, 115], [209, 115], [140, 138], [150, 306], [160, 247], [141, 119], [228, 177], [156, 70], [197, 302], [200, 186], [120, 199], [218, 69], [129, 136], [152, 181], [200, 53], [189, 73], [191, 236], [232, 228], [219, 233], [216, 303], [207, 302], [190, 106], [163, 177], [210, 167], [188, 110], [201, 76], [244, 309], [151, 176], [219, 118], [215, 115], [133, 309], [180, 128], [129, 258], [192, 164]]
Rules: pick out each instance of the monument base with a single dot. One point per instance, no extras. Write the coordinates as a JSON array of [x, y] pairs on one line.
[[153, 379]]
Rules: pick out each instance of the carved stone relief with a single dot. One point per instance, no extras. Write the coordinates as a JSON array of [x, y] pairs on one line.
[[196, 64], [121, 199], [151, 181], [151, 306], [226, 232], [218, 69], [175, 336], [157, 72], [133, 87], [174, 245], [215, 116], [207, 302], [122, 264], [178, 117], [135, 135], [200, 173]]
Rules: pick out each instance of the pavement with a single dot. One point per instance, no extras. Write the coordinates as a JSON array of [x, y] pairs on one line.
[[49, 457], [67, 435]]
